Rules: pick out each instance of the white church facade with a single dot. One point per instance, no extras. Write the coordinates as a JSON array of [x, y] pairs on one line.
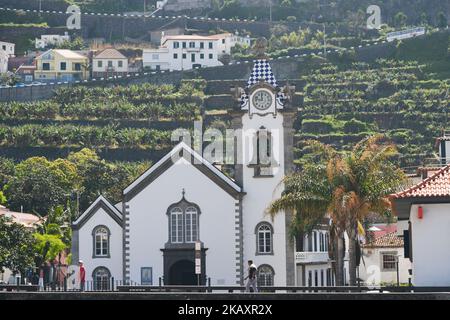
[[184, 199]]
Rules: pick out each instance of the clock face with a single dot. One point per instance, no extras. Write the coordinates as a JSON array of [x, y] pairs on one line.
[[262, 99]]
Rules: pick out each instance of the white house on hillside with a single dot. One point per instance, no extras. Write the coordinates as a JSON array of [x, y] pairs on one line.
[[51, 40], [109, 62], [184, 52], [6, 52], [4, 58], [8, 48]]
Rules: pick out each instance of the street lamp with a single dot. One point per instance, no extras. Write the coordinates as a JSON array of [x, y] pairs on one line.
[[396, 265]]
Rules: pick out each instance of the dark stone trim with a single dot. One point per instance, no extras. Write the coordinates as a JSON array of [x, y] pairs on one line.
[[125, 248], [104, 206], [257, 253], [168, 163], [240, 241], [75, 246], [94, 255]]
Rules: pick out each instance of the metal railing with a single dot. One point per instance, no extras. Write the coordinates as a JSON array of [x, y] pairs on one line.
[[92, 286]]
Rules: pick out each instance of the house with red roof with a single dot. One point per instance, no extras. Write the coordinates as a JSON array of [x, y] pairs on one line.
[[423, 212], [383, 262]]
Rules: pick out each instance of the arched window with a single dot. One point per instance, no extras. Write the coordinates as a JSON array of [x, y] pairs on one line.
[[176, 225], [183, 222], [101, 279], [191, 224], [265, 276], [264, 243], [101, 236]]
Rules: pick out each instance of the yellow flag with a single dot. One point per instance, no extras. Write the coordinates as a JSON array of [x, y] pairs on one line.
[[361, 230]]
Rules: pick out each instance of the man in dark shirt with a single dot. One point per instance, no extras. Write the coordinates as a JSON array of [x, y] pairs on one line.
[[251, 282]]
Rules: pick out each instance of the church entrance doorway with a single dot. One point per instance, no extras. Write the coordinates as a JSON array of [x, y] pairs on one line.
[[183, 273], [179, 265]]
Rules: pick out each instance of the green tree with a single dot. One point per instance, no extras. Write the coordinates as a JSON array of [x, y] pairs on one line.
[[39, 184], [75, 44], [48, 246], [16, 246], [345, 187], [442, 20], [2, 198], [400, 20]]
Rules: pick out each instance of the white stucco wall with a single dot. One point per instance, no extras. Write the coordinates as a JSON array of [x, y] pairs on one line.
[[115, 65], [371, 271], [430, 245], [260, 192], [166, 61], [148, 230], [114, 263]]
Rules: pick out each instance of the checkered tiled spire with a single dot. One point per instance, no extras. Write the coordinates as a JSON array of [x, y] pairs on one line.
[[261, 71]]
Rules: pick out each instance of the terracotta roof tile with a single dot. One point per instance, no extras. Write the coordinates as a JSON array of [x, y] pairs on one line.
[[110, 53], [388, 240], [437, 185]]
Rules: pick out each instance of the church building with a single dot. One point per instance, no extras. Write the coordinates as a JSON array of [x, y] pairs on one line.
[[185, 221]]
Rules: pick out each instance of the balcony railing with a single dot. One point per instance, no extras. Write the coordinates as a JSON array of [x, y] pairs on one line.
[[311, 257]]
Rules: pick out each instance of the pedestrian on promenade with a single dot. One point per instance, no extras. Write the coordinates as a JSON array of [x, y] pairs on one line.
[[82, 275], [251, 282]]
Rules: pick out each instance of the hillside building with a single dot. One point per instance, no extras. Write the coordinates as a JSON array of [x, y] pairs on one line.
[[61, 65], [184, 52], [109, 62]]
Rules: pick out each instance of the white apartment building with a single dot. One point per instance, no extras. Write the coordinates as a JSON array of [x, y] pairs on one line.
[[8, 48], [3, 62], [51, 40], [109, 62], [184, 52], [6, 52]]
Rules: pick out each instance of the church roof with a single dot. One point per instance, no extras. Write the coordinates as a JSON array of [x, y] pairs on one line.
[[196, 160], [100, 202], [262, 71], [437, 185]]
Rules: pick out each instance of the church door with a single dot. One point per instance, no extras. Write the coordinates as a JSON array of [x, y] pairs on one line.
[[183, 273]]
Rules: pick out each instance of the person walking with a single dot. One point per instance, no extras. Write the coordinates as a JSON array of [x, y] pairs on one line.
[[82, 275], [251, 282]]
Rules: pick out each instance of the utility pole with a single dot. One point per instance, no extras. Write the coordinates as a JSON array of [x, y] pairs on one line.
[[270, 11], [40, 7], [324, 41]]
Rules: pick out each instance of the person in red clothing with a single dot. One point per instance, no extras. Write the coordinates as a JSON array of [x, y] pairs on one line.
[[82, 275]]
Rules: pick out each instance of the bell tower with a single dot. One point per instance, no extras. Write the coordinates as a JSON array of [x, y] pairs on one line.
[[265, 115]]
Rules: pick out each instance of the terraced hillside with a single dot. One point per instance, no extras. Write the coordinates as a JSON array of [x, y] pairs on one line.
[[341, 106], [122, 123]]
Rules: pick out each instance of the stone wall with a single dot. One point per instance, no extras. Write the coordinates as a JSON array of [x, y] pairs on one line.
[[283, 69]]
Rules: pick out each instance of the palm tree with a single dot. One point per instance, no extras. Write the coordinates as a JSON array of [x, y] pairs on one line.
[[344, 187]]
